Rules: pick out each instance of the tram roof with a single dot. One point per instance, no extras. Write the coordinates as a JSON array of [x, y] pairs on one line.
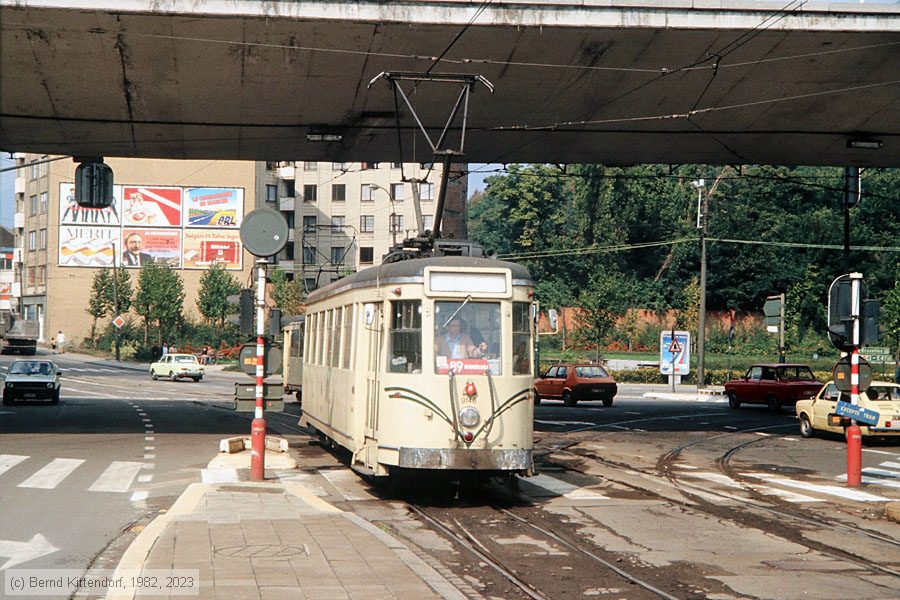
[[413, 270]]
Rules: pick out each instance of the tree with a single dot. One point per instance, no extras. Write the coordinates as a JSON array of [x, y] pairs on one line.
[[216, 285], [159, 299], [286, 293], [124, 291], [890, 311], [599, 305], [98, 304]]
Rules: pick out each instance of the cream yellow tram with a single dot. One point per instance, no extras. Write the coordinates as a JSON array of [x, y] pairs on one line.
[[424, 364]]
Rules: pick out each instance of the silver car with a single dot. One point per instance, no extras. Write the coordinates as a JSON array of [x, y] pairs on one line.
[[32, 380]]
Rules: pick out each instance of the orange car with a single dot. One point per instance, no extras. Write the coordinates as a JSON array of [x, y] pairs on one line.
[[571, 383]]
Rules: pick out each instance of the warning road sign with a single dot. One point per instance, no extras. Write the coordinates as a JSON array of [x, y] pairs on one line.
[[675, 352], [674, 347]]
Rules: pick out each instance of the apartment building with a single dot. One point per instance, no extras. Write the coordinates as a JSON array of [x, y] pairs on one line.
[[346, 216], [342, 217]]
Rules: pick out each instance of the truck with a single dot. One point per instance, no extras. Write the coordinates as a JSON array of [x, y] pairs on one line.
[[17, 334]]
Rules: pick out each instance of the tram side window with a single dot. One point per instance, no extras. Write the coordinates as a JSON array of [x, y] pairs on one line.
[[336, 338], [521, 338], [320, 339], [297, 342], [348, 336], [406, 337]]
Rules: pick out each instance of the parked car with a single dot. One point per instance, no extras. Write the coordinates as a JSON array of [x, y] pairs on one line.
[[882, 396], [175, 366], [571, 383], [32, 380], [774, 385]]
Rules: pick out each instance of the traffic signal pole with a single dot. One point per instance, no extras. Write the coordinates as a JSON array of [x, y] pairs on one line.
[[258, 426], [854, 435]]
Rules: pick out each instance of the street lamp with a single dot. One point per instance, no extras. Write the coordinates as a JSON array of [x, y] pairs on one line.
[[702, 207], [393, 215]]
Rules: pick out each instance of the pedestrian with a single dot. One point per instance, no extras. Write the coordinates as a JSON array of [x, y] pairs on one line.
[[172, 349], [204, 355], [61, 342], [165, 350]]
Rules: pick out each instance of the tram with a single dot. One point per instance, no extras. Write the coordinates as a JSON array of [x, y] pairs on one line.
[[424, 364], [292, 357]]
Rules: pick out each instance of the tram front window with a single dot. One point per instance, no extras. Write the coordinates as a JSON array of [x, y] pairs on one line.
[[406, 337], [467, 337]]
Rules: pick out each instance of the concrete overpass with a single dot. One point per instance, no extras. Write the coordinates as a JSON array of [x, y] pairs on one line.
[[610, 81]]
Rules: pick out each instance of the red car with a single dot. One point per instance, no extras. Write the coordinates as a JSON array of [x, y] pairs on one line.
[[774, 385], [571, 383]]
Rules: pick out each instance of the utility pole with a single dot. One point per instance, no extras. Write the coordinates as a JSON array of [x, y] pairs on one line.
[[851, 196], [115, 290], [702, 207]]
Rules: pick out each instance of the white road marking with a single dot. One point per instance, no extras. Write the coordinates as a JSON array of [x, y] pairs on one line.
[[117, 477], [149, 456], [20, 552], [8, 461], [879, 452], [139, 496], [145, 478], [729, 427], [785, 494], [874, 481], [882, 472], [52, 474], [219, 475], [560, 488], [891, 465], [716, 478], [763, 434], [148, 438], [830, 490]]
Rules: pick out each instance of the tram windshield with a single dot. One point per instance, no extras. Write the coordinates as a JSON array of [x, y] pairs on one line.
[[467, 337]]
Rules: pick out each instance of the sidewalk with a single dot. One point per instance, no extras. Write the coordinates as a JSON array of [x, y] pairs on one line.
[[276, 540], [682, 391]]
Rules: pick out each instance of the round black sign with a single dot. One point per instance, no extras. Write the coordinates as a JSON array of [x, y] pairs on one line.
[[841, 374], [264, 232]]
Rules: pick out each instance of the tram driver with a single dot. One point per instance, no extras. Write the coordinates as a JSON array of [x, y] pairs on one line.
[[457, 344]]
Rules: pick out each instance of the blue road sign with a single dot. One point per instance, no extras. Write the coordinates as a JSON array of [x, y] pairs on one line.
[[863, 415], [675, 353]]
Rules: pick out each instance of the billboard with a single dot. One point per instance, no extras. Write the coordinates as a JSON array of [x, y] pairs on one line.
[[203, 247], [151, 206], [213, 207], [140, 245], [72, 214], [83, 246]]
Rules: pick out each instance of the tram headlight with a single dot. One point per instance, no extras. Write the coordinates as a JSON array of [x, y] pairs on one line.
[[469, 417]]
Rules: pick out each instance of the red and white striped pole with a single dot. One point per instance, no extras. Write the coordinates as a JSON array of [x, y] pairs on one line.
[[854, 435], [258, 426]]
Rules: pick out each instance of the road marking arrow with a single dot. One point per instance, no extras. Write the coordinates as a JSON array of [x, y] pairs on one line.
[[19, 552]]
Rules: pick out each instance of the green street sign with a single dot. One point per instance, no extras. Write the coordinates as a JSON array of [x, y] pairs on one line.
[[772, 310], [876, 354]]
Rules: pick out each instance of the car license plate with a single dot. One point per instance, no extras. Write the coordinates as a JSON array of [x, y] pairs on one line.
[[29, 395]]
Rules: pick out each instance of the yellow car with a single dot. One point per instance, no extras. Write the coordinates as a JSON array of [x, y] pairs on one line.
[[175, 366], [882, 397]]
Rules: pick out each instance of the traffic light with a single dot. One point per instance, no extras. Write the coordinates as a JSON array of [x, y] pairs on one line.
[[869, 325], [275, 322], [840, 322], [244, 318], [93, 184]]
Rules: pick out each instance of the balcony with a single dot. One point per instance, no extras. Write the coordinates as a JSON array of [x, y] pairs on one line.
[[19, 219], [286, 204], [17, 255], [286, 172], [20, 185], [291, 235]]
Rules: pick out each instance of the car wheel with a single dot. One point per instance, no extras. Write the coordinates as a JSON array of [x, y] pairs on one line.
[[733, 401], [607, 402], [153, 375], [55, 398], [7, 400], [773, 405], [806, 428], [172, 376], [196, 379], [537, 399], [568, 398]]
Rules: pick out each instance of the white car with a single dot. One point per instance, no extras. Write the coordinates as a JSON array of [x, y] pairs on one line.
[[32, 380], [818, 413], [175, 366]]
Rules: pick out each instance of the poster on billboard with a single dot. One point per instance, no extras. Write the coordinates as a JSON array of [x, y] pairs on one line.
[[213, 207], [204, 247], [83, 246], [72, 214], [140, 246], [151, 206]]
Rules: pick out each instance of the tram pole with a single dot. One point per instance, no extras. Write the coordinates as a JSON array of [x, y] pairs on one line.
[[258, 426], [854, 435]]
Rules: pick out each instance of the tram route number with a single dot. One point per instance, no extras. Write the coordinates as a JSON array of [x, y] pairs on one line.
[[463, 366]]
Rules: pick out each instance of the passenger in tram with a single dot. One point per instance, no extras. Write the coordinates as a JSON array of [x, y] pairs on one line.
[[456, 344]]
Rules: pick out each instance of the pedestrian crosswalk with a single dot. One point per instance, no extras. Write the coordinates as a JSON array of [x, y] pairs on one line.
[[27, 472]]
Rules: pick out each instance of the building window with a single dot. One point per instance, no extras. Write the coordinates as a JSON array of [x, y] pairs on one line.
[[396, 165], [337, 223], [271, 165], [340, 166], [396, 191], [426, 191], [367, 223], [369, 165], [310, 165], [426, 166], [309, 193], [396, 223], [366, 255], [427, 222], [34, 205], [32, 277], [35, 172], [309, 255], [43, 239], [271, 193], [337, 254], [310, 283], [309, 224], [31, 240], [366, 193], [42, 275], [289, 253], [44, 202], [338, 192], [289, 189]]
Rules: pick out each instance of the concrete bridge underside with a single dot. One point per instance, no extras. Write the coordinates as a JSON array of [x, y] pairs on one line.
[[575, 81]]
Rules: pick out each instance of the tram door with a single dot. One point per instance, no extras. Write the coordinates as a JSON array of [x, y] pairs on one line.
[[372, 320]]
